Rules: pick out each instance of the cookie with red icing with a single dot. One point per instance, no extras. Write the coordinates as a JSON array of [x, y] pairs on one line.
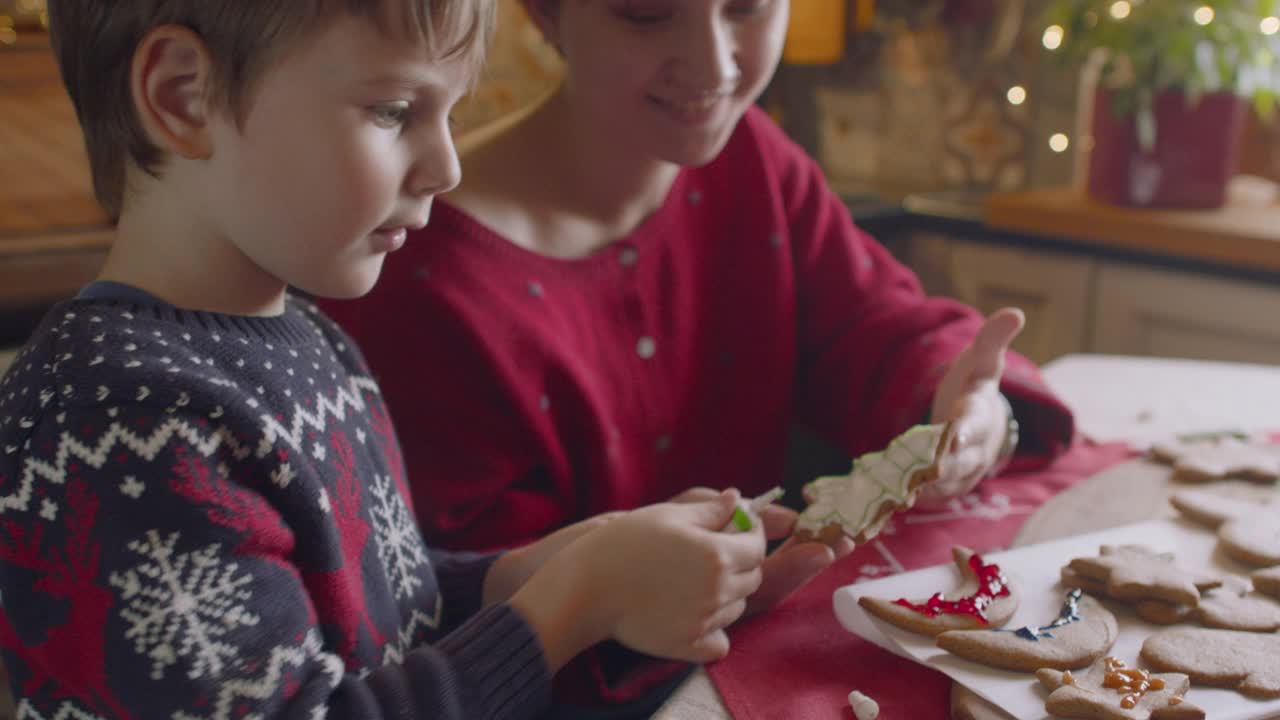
[[986, 598]]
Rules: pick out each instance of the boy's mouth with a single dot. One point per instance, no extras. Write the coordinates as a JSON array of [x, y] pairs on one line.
[[388, 239]]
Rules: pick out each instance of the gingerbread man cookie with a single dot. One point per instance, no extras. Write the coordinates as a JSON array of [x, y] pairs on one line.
[[1247, 531], [1109, 690], [1083, 632], [880, 484], [1219, 458], [986, 599], [1234, 606], [1246, 662], [1135, 573], [1267, 581]]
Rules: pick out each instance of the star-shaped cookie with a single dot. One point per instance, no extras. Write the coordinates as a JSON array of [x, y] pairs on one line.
[[1109, 690], [1136, 572]]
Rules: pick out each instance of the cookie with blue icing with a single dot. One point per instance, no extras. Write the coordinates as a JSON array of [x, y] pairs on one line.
[[1082, 632]]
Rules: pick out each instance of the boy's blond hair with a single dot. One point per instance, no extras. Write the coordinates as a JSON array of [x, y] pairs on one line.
[[95, 41]]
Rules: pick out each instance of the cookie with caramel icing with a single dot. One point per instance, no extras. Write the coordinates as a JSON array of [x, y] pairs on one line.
[[1110, 690]]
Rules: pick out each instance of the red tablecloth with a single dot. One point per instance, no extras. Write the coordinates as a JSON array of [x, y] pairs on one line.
[[797, 662]]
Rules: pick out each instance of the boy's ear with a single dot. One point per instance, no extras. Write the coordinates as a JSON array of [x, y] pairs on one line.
[[170, 81], [545, 14]]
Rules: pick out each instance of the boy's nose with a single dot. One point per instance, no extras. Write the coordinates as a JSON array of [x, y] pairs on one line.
[[437, 169]]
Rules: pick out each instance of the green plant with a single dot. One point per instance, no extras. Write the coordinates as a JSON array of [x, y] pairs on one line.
[[1195, 46]]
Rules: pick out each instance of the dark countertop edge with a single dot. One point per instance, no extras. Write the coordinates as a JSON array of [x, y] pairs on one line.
[[882, 217]]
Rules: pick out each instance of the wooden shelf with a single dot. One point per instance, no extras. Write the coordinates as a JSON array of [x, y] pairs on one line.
[[1245, 237], [53, 235]]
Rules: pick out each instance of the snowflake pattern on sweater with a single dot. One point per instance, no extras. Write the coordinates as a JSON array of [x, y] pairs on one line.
[[205, 516]]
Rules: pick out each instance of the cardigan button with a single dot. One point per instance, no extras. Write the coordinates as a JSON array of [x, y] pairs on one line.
[[628, 256], [646, 347]]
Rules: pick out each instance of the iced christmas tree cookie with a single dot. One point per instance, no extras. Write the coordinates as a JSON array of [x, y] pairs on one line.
[[858, 505]]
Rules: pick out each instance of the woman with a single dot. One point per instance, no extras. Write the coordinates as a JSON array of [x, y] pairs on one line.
[[642, 283]]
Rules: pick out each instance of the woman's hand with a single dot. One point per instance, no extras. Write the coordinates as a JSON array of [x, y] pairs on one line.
[[969, 396]]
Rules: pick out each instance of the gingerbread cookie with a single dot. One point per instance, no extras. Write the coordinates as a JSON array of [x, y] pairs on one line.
[[986, 599], [1135, 573], [1247, 531], [1244, 661], [1072, 579], [1219, 458], [1109, 690], [1083, 632], [1234, 606], [880, 484], [1163, 613], [1267, 581]]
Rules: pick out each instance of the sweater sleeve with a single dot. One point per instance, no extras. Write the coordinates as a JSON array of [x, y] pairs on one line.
[[872, 345], [460, 577], [130, 591]]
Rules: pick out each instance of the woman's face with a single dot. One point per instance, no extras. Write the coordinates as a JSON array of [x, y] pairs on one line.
[[670, 78]]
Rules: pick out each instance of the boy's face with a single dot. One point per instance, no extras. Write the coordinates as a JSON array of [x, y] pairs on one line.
[[345, 142], [674, 77]]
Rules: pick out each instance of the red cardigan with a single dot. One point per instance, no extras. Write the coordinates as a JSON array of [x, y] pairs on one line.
[[531, 392]]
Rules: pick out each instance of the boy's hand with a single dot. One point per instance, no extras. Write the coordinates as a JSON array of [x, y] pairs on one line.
[[969, 394], [662, 579], [788, 568], [672, 580], [514, 568]]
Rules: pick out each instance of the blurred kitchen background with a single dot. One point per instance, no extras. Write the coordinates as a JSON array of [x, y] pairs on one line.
[[957, 131]]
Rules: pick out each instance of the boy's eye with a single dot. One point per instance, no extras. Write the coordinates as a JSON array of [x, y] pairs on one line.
[[390, 115]]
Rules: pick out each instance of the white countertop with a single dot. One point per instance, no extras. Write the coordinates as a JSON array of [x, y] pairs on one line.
[[1142, 399]]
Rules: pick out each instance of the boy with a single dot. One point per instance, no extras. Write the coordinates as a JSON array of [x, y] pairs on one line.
[[202, 499]]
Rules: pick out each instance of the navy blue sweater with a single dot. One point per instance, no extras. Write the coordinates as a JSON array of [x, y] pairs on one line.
[[206, 516]]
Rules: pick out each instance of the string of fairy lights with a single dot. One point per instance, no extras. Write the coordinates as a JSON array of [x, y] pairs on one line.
[[21, 14], [1053, 36]]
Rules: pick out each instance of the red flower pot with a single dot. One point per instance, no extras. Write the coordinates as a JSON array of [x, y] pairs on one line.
[[1196, 151]]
